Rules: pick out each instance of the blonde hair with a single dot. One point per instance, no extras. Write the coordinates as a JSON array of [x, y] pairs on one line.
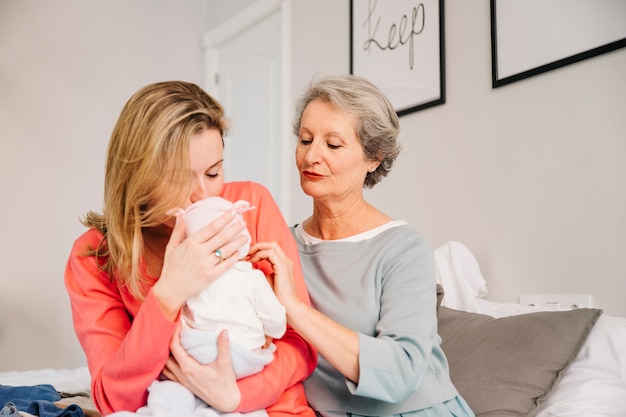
[[148, 171]]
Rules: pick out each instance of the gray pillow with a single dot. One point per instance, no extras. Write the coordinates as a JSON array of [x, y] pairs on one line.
[[505, 366]]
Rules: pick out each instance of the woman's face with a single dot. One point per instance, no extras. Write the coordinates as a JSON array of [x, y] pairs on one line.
[[329, 155], [206, 153]]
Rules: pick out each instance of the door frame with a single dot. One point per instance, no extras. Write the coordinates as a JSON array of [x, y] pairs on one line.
[[212, 41]]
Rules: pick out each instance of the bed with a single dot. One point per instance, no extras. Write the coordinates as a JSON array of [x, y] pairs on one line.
[[513, 360], [505, 359]]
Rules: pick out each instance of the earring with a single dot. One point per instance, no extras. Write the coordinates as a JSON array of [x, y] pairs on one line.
[[372, 169]]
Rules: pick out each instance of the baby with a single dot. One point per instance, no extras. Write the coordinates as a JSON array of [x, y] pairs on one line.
[[241, 301]]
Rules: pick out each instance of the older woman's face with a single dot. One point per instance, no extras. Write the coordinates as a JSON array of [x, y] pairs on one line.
[[329, 155]]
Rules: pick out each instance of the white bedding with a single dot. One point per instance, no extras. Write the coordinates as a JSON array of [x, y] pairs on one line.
[[593, 386], [66, 380], [595, 383]]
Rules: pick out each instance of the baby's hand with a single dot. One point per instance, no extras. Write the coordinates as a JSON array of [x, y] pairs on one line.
[[268, 341]]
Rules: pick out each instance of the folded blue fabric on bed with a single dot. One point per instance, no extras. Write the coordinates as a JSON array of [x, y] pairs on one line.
[[38, 400]]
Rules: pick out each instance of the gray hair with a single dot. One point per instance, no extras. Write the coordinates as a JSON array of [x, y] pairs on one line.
[[377, 124]]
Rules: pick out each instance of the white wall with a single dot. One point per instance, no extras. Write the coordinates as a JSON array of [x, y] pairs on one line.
[[529, 176], [319, 44], [66, 69]]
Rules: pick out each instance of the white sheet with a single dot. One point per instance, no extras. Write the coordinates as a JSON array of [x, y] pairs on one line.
[[67, 380]]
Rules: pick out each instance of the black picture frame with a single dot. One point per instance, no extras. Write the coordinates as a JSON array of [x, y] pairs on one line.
[[532, 37], [399, 46]]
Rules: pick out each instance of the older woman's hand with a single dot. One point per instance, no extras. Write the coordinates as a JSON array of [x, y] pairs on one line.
[[282, 278], [215, 383]]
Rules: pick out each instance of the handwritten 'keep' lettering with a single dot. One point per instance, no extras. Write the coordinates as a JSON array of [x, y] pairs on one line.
[[398, 34]]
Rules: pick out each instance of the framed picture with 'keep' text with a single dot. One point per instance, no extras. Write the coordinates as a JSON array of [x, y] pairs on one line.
[[399, 46]]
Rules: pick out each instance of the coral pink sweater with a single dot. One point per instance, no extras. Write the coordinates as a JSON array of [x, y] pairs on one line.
[[126, 340]]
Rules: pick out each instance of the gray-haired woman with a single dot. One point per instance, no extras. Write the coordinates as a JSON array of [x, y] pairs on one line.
[[371, 279]]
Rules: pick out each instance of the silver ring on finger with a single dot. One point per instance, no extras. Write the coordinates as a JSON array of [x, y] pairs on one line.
[[219, 255]]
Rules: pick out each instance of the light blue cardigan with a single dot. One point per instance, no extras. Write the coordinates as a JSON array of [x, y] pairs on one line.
[[383, 287]]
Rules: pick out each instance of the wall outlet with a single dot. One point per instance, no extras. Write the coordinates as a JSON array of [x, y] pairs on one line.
[[556, 301]]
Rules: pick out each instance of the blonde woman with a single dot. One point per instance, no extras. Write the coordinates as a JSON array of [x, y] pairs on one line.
[[129, 275]]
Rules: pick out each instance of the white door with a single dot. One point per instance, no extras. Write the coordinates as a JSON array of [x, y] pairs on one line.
[[243, 59]]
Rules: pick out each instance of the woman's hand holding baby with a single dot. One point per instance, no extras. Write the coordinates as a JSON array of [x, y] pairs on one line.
[[215, 383], [191, 263]]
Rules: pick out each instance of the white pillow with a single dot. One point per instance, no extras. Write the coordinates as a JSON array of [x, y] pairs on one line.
[[459, 274], [595, 383]]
